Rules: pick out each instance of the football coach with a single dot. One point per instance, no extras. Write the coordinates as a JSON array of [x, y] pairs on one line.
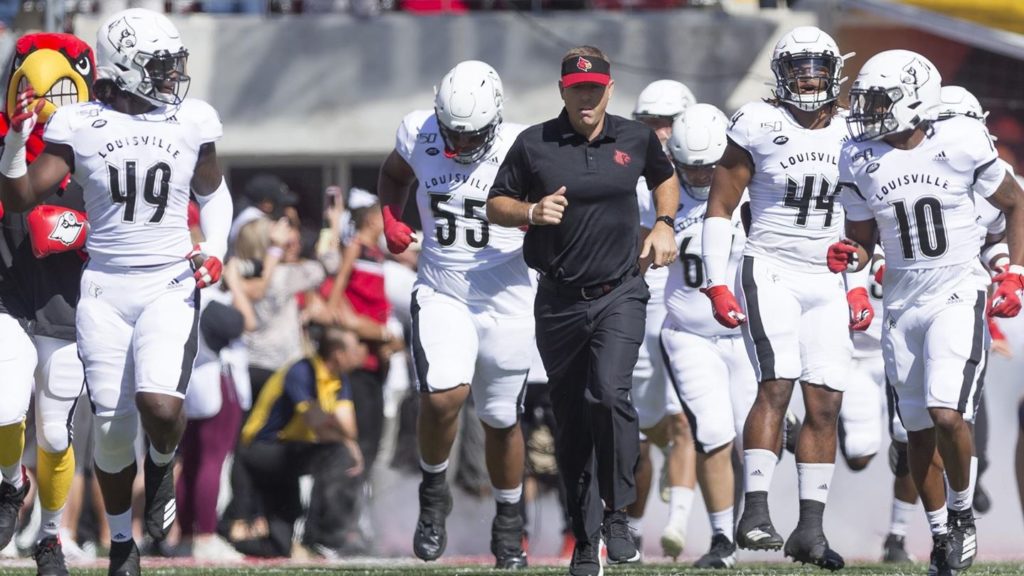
[[572, 180]]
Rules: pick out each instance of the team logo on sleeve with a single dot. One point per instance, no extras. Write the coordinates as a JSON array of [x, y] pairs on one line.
[[67, 229], [121, 35]]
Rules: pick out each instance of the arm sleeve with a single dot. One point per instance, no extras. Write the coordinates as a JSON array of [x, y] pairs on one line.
[[658, 168], [300, 384], [215, 220], [510, 180], [716, 245]]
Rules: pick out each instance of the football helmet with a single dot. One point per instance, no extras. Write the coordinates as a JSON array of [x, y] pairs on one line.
[[895, 91], [468, 106], [807, 59], [958, 101], [663, 98], [697, 144], [141, 52]]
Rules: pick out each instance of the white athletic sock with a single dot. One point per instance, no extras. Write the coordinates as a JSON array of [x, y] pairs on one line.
[[49, 522], [433, 468], [13, 475], [722, 522], [680, 502], [509, 496], [814, 480], [937, 521], [159, 458], [635, 524], [758, 469], [120, 526], [902, 512], [964, 499]]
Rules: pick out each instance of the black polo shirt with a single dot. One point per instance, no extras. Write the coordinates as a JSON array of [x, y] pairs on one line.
[[596, 241]]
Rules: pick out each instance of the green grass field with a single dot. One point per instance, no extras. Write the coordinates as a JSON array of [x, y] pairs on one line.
[[984, 569]]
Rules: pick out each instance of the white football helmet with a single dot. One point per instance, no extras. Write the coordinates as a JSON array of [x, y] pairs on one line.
[[663, 98], [141, 52], [895, 91], [468, 106], [804, 55], [958, 101], [697, 144]]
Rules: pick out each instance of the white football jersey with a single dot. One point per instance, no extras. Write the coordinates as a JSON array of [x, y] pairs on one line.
[[655, 277], [794, 215], [452, 197], [136, 174], [923, 201], [688, 309]]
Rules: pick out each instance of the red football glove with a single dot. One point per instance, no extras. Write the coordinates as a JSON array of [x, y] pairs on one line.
[[208, 268], [55, 229], [724, 305], [26, 112], [861, 311], [396, 232], [1005, 300], [841, 256]]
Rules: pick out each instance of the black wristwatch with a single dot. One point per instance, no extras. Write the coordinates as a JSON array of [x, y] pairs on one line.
[[666, 219]]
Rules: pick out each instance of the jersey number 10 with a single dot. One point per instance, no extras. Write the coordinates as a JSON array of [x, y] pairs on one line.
[[155, 187]]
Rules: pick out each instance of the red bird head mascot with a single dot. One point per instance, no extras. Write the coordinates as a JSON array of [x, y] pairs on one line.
[[60, 67]]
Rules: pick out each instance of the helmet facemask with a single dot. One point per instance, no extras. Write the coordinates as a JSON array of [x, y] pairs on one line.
[[871, 112], [164, 80], [466, 147], [696, 178], [796, 75]]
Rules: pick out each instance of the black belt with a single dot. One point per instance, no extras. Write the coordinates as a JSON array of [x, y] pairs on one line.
[[587, 293]]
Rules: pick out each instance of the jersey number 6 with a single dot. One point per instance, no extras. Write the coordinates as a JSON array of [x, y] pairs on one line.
[[155, 187]]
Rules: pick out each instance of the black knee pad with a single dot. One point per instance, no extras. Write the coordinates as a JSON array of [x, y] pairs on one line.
[[898, 459]]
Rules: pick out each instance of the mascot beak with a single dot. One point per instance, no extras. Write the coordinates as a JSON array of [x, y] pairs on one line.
[[53, 77]]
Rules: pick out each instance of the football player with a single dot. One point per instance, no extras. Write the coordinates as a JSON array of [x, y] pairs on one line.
[[136, 153], [708, 363], [472, 302], [662, 422], [42, 265], [784, 151], [913, 182]]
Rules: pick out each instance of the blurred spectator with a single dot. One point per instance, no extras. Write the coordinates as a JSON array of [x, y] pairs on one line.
[[8, 12], [303, 422], [263, 195], [275, 276], [432, 6]]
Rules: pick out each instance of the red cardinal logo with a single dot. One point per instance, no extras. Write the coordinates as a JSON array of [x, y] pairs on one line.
[[622, 159], [584, 64]]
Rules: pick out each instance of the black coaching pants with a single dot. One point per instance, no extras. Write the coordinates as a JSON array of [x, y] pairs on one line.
[[590, 349]]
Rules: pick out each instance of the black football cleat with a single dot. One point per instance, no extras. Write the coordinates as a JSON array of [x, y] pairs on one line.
[[721, 555], [808, 545], [755, 530], [11, 500], [963, 539], [124, 559], [431, 537], [49, 557], [894, 551], [507, 532], [937, 565]]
